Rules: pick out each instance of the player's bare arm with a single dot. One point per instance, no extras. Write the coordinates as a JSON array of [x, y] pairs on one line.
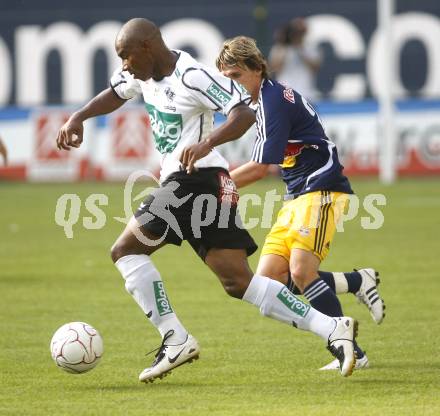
[[249, 173], [71, 134], [238, 122]]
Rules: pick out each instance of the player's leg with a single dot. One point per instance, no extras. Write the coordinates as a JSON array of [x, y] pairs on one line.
[[317, 213], [303, 265], [304, 270], [363, 283], [276, 267], [301, 237], [143, 281], [276, 301], [131, 255], [309, 227]]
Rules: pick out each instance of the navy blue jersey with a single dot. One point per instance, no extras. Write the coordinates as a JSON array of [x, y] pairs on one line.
[[290, 133]]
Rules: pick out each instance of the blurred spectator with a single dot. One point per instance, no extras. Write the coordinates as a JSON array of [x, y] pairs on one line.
[[3, 151], [293, 61]]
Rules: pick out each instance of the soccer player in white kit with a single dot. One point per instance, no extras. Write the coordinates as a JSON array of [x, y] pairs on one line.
[[180, 96]]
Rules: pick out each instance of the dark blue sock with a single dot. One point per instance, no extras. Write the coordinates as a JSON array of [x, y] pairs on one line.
[[323, 299], [328, 278], [354, 280]]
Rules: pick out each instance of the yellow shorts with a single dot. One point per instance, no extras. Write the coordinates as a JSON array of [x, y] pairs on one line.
[[307, 222]]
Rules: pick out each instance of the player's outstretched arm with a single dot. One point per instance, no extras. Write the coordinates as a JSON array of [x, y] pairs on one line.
[[238, 122], [249, 173], [71, 134]]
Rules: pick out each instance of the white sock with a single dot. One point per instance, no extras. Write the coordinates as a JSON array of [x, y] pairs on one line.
[[341, 284], [277, 302], [143, 282]]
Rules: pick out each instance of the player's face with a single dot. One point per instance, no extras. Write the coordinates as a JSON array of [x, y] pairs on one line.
[[136, 60], [249, 78]]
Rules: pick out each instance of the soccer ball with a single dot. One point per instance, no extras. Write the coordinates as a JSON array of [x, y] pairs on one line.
[[76, 347]]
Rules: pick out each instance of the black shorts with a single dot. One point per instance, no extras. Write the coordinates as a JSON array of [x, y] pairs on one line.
[[201, 208]]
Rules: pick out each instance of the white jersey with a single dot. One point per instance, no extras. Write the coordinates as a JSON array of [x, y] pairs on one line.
[[181, 108]]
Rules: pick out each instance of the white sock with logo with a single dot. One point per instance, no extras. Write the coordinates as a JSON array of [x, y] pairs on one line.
[[143, 282], [278, 302]]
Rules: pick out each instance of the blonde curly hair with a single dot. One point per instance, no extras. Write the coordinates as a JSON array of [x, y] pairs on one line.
[[242, 52]]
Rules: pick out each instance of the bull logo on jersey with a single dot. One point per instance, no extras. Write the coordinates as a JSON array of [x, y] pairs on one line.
[[292, 151], [289, 95], [167, 128]]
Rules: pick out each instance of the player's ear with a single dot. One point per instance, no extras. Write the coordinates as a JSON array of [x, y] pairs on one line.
[[145, 50]]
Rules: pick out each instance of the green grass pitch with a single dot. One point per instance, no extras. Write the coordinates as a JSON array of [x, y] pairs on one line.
[[249, 365]]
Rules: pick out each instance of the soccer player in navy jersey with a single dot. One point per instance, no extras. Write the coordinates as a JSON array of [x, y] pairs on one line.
[[290, 134]]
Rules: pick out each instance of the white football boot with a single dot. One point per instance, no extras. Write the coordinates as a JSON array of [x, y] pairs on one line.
[[169, 357], [340, 344], [368, 294], [361, 363]]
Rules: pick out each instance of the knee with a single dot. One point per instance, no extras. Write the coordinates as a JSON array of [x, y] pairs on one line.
[[233, 272], [234, 288], [236, 284], [117, 251]]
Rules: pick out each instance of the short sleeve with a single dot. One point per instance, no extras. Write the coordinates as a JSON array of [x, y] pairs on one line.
[[213, 90], [274, 121], [124, 85]]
